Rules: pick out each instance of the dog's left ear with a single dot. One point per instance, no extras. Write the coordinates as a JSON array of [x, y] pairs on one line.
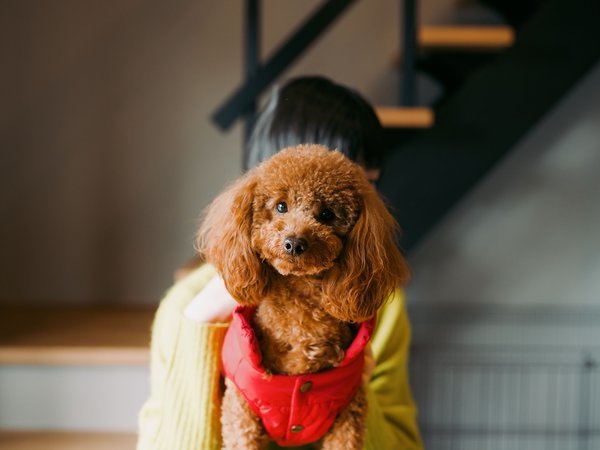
[[224, 241], [370, 266]]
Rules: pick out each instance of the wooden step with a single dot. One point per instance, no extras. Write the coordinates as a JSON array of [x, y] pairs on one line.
[[466, 37], [50, 440], [398, 117], [75, 335]]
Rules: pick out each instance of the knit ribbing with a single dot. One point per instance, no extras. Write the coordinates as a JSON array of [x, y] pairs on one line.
[[191, 390]]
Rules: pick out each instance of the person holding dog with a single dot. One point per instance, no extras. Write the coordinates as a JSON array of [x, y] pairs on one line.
[[183, 409]]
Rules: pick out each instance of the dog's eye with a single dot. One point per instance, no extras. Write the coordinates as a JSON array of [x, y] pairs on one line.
[[281, 207], [326, 215]]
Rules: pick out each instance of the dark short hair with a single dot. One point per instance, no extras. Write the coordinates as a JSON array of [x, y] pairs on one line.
[[315, 110]]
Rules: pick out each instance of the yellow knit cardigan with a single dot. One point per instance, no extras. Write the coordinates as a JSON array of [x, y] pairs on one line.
[[182, 412]]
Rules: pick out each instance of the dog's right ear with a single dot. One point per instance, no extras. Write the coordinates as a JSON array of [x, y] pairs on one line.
[[224, 241]]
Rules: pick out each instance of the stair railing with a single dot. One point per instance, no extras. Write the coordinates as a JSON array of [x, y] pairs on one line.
[[243, 101]]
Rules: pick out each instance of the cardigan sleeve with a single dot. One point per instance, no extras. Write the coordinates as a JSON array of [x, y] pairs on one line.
[[391, 418], [183, 409]]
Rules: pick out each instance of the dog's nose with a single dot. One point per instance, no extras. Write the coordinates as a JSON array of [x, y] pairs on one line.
[[295, 246]]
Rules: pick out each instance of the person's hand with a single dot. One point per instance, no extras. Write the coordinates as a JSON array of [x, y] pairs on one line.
[[213, 304]]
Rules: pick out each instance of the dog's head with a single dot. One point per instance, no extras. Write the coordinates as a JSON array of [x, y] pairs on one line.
[[307, 211]]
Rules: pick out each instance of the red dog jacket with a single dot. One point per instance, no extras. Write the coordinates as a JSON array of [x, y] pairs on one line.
[[295, 410]]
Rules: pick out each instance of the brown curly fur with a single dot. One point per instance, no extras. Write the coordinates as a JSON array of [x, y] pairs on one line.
[[307, 303]]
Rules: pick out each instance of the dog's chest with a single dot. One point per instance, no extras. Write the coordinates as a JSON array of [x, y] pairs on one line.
[[299, 337]]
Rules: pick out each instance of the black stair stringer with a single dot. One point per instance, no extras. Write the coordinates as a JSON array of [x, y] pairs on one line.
[[426, 174]]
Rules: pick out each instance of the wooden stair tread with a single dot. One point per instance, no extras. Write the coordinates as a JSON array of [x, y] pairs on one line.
[[58, 440], [75, 335], [405, 117], [493, 37]]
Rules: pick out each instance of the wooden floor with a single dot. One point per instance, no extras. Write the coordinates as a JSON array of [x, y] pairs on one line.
[[68, 335], [46, 440]]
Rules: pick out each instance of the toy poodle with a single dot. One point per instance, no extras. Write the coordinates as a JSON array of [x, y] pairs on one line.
[[307, 248]]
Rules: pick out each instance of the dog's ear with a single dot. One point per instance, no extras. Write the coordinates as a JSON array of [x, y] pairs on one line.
[[369, 268], [224, 241]]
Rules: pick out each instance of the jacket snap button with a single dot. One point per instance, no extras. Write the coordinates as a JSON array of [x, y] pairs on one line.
[[306, 386], [297, 428]]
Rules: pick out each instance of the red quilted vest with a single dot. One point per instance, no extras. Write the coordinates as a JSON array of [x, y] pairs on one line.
[[295, 410]]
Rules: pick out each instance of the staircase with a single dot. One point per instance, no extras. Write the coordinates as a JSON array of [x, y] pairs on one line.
[[55, 362], [487, 113], [420, 47]]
